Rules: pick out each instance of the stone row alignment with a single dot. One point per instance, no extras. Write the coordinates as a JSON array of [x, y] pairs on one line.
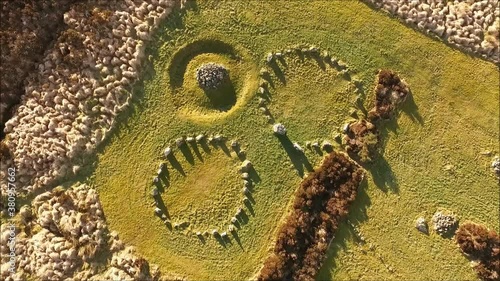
[[60, 237], [470, 25], [84, 81]]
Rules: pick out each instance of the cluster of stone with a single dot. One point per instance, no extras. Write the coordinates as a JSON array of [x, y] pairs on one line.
[[468, 24], [73, 232], [211, 76], [69, 108], [444, 222]]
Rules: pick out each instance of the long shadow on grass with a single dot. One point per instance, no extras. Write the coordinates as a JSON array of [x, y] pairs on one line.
[[187, 154], [299, 159], [175, 164], [382, 175], [278, 72], [237, 238], [345, 232], [410, 108], [196, 150]]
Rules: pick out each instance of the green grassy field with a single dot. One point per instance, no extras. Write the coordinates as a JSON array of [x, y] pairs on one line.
[[453, 118]]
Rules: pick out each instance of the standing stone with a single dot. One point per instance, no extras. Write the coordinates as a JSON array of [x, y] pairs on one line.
[[200, 138], [246, 166], [298, 147], [167, 152], [155, 192], [279, 129], [180, 142]]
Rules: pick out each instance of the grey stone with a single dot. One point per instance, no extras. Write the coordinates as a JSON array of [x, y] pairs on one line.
[[167, 152], [279, 129], [246, 166], [155, 191], [180, 142], [421, 225], [200, 138], [298, 147]]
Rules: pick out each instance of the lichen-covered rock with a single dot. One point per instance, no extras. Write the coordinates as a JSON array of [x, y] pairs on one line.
[[421, 225], [211, 76], [444, 222]]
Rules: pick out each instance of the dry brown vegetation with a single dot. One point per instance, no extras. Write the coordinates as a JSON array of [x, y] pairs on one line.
[[483, 245], [320, 204], [28, 29], [362, 137], [389, 92]]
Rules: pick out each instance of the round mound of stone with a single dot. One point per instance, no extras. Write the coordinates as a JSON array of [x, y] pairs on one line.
[[211, 76], [209, 79]]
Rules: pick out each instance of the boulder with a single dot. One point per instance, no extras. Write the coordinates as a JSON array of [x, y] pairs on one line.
[[180, 142], [421, 225]]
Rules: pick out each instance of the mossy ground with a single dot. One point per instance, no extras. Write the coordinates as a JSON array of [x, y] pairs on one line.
[[452, 118]]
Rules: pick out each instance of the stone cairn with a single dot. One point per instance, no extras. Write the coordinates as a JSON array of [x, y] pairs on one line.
[[68, 230], [211, 76], [444, 222], [470, 25], [68, 109], [245, 170]]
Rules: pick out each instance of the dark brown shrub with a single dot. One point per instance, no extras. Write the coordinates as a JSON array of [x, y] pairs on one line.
[[320, 204]]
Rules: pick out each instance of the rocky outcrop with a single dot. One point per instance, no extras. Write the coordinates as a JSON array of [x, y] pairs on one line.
[[62, 237], [470, 25], [82, 84]]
